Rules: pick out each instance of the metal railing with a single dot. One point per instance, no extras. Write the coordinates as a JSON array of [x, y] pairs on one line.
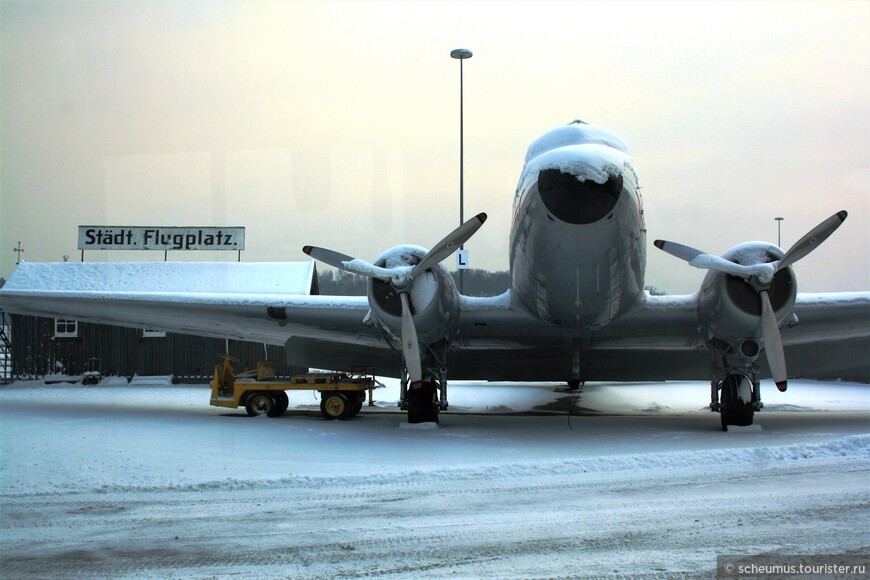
[[5, 350]]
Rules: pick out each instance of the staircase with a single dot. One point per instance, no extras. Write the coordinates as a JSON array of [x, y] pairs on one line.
[[5, 349]]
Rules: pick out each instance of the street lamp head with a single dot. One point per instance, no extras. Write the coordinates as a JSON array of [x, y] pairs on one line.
[[779, 219], [460, 53]]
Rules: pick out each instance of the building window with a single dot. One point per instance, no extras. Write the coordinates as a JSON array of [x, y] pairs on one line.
[[65, 328], [148, 333]]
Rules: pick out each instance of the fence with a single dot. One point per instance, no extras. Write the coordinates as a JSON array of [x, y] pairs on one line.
[[40, 348]]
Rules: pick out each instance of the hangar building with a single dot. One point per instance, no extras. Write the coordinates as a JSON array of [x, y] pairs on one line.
[[33, 347]]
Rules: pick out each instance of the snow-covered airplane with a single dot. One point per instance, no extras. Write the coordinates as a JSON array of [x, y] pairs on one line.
[[576, 309]]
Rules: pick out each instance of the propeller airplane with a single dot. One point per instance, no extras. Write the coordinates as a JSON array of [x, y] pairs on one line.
[[576, 309]]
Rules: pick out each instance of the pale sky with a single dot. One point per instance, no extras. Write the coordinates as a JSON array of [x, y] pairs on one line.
[[337, 123]]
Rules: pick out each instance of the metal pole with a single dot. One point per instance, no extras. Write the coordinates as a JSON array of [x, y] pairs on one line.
[[461, 149], [779, 231], [461, 54], [461, 167]]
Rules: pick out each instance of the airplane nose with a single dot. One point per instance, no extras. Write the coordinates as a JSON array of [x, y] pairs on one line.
[[576, 201]]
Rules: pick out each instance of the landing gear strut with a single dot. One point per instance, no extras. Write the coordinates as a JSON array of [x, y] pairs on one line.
[[424, 399]]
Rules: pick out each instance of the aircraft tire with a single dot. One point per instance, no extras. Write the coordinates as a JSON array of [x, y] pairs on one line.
[[421, 404], [736, 401]]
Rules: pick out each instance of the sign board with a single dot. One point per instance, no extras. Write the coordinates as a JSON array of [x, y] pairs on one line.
[[161, 238], [462, 260]]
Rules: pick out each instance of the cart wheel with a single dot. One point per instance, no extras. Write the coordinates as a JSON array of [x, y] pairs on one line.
[[259, 403], [281, 402], [335, 405], [356, 407]]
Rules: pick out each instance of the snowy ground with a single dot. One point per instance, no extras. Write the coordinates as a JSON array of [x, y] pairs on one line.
[[148, 480]]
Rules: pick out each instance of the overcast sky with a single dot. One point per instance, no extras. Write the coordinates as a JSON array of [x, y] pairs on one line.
[[337, 123]]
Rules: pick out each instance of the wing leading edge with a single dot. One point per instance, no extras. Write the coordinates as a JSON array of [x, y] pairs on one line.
[[265, 302]]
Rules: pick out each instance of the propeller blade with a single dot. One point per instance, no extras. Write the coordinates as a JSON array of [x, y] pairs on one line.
[[812, 239], [450, 243], [705, 261], [678, 250], [348, 264], [410, 345], [773, 342], [711, 262]]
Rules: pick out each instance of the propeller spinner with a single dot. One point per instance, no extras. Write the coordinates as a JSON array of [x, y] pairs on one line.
[[760, 277], [400, 279]]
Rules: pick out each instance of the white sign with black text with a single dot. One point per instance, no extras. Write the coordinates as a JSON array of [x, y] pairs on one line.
[[161, 238], [462, 260]]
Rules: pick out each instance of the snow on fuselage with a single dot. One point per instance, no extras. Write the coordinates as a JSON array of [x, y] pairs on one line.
[[578, 239]]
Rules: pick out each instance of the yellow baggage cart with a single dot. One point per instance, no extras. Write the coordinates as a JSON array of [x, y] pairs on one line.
[[260, 392]]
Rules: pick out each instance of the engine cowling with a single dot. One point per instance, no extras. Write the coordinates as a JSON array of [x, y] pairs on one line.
[[729, 306], [727, 313], [433, 296]]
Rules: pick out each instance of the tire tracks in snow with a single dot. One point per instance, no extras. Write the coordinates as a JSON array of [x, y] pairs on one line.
[[526, 519]]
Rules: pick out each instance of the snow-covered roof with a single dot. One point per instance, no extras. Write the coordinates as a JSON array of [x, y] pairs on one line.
[[199, 277]]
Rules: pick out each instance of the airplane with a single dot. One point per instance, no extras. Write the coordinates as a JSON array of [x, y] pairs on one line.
[[576, 309]]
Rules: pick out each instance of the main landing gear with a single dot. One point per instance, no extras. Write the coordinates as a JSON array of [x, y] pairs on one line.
[[425, 399], [736, 396]]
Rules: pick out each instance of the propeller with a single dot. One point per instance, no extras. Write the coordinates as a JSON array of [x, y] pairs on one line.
[[400, 279], [760, 277]]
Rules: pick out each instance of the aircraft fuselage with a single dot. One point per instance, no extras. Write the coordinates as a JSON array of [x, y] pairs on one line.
[[578, 239]]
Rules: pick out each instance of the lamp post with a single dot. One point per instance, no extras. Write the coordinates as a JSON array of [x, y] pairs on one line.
[[461, 54], [779, 231]]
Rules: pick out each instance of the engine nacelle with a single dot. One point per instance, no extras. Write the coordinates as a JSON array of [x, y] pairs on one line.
[[433, 297], [730, 306]]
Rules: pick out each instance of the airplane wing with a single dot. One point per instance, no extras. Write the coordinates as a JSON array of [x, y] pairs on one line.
[[832, 337], [243, 301], [497, 340], [257, 318], [659, 341]]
